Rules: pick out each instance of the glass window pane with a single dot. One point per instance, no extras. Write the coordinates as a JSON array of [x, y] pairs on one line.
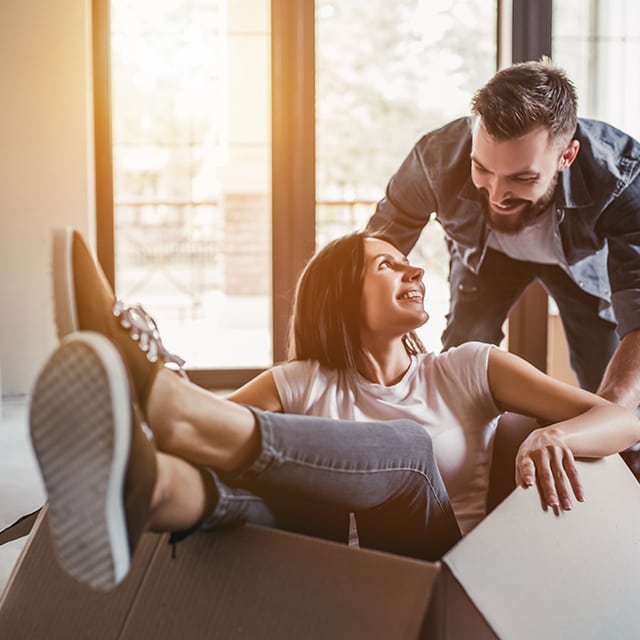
[[191, 135], [598, 44], [388, 72]]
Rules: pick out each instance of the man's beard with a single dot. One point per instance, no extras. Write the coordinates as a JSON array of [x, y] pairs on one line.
[[512, 224]]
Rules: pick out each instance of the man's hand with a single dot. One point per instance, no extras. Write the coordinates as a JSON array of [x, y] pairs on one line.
[[544, 460]]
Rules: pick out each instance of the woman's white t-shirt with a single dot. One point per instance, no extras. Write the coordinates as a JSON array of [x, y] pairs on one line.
[[448, 394]]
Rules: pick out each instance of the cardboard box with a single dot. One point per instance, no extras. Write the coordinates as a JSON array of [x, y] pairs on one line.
[[250, 582], [522, 573]]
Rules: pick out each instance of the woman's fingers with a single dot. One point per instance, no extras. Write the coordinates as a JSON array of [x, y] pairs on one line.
[[574, 477], [525, 472], [560, 480], [546, 477], [552, 469]]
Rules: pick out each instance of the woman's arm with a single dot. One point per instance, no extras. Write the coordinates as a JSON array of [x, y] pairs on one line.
[[261, 392], [580, 424]]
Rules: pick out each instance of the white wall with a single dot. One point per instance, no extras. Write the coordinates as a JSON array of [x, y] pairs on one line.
[[46, 167]]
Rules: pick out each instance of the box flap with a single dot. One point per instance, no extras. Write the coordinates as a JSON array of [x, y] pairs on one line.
[[533, 574], [262, 583]]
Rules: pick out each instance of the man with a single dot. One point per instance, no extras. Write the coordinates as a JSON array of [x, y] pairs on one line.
[[525, 190]]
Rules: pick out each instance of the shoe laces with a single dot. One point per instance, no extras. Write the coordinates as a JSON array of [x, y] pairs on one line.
[[144, 330]]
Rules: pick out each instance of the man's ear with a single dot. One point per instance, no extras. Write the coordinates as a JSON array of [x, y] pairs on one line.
[[569, 155]]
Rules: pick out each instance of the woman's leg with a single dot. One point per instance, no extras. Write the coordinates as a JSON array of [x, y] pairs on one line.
[[228, 437], [383, 471], [187, 497], [192, 424], [181, 496]]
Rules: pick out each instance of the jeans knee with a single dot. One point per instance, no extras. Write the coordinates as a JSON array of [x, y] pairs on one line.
[[417, 441]]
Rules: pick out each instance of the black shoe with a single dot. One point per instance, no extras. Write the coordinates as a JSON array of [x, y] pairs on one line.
[[98, 466]]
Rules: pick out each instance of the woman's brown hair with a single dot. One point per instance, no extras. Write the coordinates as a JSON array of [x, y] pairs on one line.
[[325, 323]]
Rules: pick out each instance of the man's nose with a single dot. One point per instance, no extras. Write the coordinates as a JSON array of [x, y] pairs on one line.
[[498, 189]]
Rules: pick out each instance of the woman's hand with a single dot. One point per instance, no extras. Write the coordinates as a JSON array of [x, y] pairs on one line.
[[545, 460]]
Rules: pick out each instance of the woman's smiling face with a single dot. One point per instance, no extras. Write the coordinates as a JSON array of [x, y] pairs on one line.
[[392, 291]]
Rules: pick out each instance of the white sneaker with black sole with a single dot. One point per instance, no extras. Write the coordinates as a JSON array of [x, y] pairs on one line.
[[97, 465]]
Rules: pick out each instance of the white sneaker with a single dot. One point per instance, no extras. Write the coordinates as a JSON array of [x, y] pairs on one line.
[[97, 465]]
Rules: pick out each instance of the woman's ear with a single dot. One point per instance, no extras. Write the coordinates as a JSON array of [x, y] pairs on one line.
[[569, 155]]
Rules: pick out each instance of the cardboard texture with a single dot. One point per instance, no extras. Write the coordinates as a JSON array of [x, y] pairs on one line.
[[533, 574], [520, 574], [42, 601], [452, 613], [246, 583]]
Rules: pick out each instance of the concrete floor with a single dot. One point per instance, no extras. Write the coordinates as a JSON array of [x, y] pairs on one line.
[[21, 489]]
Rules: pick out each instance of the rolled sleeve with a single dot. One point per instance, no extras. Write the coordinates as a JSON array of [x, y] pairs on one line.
[[408, 203], [626, 305]]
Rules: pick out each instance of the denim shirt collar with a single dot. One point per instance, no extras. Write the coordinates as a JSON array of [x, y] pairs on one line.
[[573, 192]]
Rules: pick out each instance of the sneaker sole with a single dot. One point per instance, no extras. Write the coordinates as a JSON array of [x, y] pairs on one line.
[[80, 422], [64, 299]]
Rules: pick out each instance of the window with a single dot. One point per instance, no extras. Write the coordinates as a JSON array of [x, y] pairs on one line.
[[203, 143], [598, 44], [386, 73], [191, 163]]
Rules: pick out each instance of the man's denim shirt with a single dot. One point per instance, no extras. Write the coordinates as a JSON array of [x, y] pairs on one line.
[[598, 203]]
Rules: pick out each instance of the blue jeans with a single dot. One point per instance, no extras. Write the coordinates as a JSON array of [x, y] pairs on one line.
[[312, 472], [480, 304]]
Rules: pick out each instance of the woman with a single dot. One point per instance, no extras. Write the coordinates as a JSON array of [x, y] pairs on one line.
[[389, 432]]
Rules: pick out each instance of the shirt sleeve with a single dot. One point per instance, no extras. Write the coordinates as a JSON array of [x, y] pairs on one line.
[[293, 381], [465, 370]]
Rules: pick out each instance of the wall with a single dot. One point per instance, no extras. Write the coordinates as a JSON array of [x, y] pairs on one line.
[[558, 364], [46, 167]]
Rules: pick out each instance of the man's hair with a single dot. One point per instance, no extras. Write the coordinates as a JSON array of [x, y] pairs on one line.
[[526, 95], [325, 324]]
